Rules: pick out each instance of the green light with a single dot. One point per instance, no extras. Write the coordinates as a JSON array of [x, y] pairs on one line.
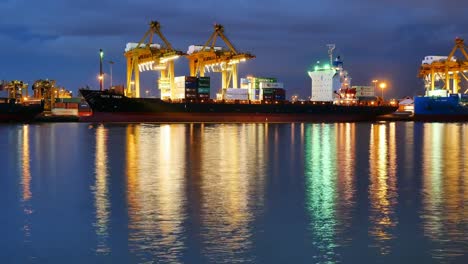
[[316, 68], [326, 67], [101, 53]]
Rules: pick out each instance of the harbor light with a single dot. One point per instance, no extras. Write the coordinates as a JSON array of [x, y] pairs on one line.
[[382, 86], [101, 77]]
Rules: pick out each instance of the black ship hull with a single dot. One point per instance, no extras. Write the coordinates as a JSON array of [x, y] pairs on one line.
[[108, 107], [13, 112]]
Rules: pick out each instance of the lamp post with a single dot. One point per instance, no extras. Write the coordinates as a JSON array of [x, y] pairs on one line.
[[101, 81], [382, 86], [111, 63], [101, 77]]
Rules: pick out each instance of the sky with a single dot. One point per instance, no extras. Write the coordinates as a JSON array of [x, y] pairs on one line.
[[384, 39]]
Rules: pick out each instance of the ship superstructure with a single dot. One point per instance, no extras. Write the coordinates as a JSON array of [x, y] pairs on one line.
[[330, 81]]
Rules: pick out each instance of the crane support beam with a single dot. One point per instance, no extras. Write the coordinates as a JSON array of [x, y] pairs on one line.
[[213, 59], [447, 70], [147, 56]]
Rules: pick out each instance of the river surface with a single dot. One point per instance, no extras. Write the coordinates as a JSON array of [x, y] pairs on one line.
[[234, 193]]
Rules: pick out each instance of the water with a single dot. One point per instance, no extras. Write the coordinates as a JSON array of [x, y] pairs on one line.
[[234, 193]]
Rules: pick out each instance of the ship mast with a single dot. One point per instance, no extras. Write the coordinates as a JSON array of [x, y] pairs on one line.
[[331, 47]]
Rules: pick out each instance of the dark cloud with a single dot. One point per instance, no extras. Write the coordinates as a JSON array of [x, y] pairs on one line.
[[378, 39]]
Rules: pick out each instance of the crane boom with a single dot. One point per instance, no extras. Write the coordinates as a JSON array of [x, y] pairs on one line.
[[445, 69], [217, 59], [146, 56]]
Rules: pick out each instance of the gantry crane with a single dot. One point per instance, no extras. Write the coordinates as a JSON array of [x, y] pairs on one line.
[[149, 56], [448, 70], [17, 90], [45, 90], [216, 59]]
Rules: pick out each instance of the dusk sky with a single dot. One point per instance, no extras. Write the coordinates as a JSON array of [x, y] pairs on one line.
[[385, 39]]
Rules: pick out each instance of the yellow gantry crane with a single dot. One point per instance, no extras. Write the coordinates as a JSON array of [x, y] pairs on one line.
[[448, 70], [210, 58], [149, 56], [16, 90], [45, 90]]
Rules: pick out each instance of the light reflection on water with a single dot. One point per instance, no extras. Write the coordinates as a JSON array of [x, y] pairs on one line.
[[101, 191], [231, 183], [199, 193], [383, 185], [24, 153], [346, 185], [329, 167], [155, 191], [445, 189], [321, 174]]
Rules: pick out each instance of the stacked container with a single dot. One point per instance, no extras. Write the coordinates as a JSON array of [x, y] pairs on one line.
[[237, 94], [185, 87], [273, 94], [203, 90], [254, 85], [165, 87], [191, 85]]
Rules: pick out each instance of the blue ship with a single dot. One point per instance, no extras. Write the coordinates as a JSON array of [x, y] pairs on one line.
[[442, 77], [450, 108]]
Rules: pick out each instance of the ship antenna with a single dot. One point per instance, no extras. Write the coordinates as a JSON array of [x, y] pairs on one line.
[[331, 47]]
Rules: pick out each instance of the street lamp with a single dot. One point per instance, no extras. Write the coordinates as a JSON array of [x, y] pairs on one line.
[[111, 63], [101, 78], [382, 86]]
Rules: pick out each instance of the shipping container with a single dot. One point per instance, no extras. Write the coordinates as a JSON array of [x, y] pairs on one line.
[[237, 91], [257, 80], [64, 112], [204, 82], [278, 94], [185, 79], [59, 105], [71, 105], [237, 96], [203, 90], [264, 85]]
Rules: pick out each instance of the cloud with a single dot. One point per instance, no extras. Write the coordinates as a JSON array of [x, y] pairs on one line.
[[387, 37]]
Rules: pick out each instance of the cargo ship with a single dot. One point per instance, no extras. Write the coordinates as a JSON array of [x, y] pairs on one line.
[[13, 111], [450, 108], [259, 99], [443, 76], [110, 107]]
